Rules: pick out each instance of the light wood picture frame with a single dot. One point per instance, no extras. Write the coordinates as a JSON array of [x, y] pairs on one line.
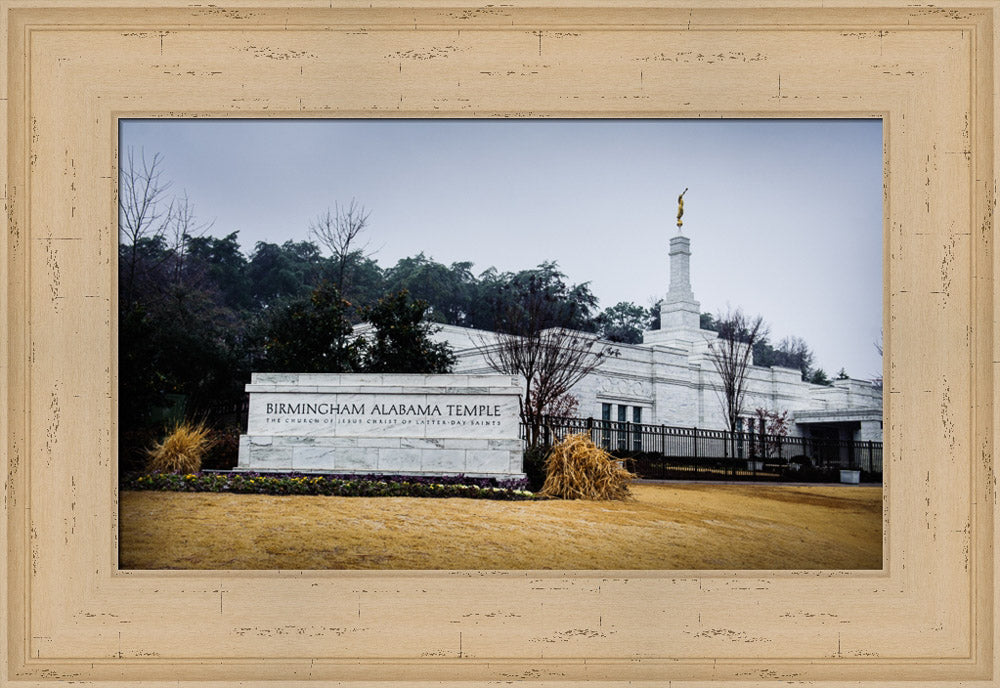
[[73, 68]]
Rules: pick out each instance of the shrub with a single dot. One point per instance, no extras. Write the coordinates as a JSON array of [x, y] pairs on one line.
[[133, 448], [576, 468], [337, 486], [182, 450], [225, 449], [534, 467]]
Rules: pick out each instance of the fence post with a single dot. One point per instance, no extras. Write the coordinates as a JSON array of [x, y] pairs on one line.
[[694, 449]]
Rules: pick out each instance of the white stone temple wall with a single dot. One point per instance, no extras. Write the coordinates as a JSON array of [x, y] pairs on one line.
[[671, 376], [675, 387]]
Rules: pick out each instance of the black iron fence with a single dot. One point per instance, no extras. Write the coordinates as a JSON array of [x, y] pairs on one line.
[[232, 414], [669, 452]]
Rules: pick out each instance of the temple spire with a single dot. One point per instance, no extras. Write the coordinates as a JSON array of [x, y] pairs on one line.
[[680, 269], [679, 310]]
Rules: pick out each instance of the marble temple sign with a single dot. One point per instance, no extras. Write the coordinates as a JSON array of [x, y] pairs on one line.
[[383, 423]]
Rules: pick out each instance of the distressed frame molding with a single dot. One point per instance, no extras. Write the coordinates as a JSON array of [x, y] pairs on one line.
[[73, 68]]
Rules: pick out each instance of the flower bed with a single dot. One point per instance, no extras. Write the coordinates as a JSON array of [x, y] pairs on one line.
[[336, 486]]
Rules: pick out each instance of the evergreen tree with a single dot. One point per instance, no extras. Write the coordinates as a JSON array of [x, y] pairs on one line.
[[401, 338], [624, 322], [819, 377], [312, 335], [448, 291], [284, 273]]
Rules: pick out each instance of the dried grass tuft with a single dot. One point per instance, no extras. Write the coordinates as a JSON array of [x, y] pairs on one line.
[[576, 468], [182, 450]]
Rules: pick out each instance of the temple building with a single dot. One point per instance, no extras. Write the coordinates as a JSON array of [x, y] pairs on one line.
[[671, 379]]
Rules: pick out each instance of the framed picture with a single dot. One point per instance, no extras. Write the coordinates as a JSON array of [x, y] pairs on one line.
[[70, 613], [253, 287]]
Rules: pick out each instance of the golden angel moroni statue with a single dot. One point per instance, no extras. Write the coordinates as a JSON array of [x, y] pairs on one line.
[[680, 208]]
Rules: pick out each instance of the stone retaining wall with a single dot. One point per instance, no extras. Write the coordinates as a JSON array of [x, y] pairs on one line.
[[368, 423]]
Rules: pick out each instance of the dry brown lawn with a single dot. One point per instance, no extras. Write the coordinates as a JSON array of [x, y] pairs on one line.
[[666, 526]]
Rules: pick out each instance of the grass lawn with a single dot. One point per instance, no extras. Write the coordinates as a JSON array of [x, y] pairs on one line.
[[667, 526]]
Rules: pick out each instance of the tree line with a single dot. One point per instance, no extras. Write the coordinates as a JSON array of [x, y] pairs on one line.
[[197, 314]]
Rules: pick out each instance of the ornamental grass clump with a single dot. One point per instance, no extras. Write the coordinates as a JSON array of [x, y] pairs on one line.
[[182, 450], [576, 468]]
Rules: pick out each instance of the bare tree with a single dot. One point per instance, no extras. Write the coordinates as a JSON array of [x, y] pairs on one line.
[[338, 232], [551, 362], [773, 429], [183, 226], [143, 211], [731, 355], [550, 359]]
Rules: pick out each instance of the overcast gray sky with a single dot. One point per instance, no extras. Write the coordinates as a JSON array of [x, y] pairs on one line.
[[784, 216]]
